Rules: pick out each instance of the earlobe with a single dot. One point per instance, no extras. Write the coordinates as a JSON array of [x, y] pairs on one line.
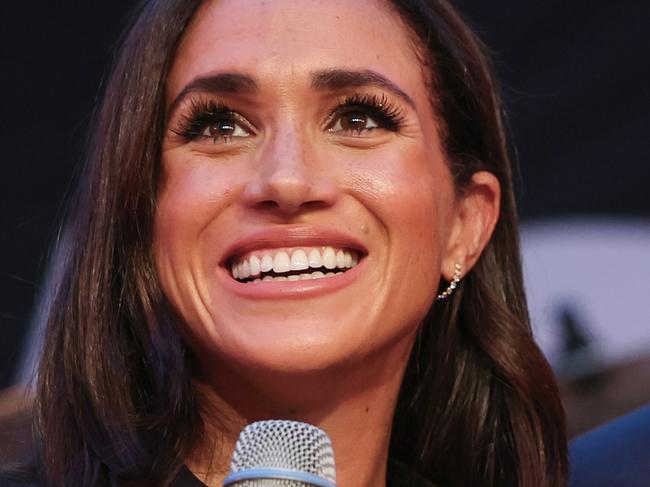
[[476, 214]]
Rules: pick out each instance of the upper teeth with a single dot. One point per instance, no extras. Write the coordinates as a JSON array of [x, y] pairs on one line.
[[287, 260]]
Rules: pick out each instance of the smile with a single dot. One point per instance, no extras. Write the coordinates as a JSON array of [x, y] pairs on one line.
[[293, 264]]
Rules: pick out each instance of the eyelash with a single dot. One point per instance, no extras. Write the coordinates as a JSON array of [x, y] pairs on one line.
[[203, 113]]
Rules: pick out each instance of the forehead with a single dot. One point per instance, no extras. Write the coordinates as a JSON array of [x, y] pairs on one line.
[[282, 41]]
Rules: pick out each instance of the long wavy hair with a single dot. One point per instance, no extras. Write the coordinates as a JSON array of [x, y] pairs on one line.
[[115, 401]]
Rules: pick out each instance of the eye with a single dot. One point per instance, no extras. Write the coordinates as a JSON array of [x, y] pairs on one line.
[[362, 114], [224, 129], [210, 120], [353, 121]]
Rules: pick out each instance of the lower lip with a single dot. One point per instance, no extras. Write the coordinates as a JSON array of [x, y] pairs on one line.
[[290, 289]]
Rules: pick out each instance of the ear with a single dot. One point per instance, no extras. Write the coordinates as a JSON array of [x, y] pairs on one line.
[[475, 215]]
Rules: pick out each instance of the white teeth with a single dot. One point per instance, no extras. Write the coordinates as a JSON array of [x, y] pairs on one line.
[[254, 263], [315, 260], [329, 258], [245, 270], [299, 260], [293, 277], [267, 263], [281, 262], [340, 259], [281, 278]]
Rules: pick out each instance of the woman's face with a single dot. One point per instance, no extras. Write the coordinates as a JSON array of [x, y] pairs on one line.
[[300, 143]]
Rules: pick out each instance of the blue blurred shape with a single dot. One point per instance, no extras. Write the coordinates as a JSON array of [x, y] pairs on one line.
[[614, 455]]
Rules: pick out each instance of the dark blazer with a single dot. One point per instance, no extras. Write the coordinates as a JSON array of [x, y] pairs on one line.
[[616, 454]]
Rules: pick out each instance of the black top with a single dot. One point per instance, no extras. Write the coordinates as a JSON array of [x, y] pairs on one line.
[[399, 475]]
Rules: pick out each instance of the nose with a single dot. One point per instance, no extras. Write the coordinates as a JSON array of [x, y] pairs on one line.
[[290, 177]]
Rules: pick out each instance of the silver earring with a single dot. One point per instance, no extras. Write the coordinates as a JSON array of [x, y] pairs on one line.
[[452, 285]]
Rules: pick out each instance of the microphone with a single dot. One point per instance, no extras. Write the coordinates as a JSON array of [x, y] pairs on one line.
[[282, 453]]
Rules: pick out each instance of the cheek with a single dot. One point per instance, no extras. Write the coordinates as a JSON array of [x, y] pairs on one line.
[[192, 195], [194, 192], [192, 189], [409, 190], [410, 193]]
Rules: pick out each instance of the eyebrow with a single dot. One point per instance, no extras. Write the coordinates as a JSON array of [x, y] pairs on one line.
[[341, 79], [325, 80], [217, 83]]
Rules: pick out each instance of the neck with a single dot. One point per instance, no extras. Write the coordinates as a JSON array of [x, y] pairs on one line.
[[352, 403]]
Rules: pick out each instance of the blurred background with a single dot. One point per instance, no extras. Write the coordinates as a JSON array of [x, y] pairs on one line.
[[575, 79]]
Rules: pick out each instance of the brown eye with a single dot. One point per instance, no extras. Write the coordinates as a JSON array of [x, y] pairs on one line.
[[225, 129], [353, 121], [222, 129]]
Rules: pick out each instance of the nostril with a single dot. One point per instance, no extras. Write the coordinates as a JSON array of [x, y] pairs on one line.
[[266, 205], [272, 205], [315, 205]]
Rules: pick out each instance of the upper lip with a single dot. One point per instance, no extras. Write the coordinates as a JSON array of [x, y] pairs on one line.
[[297, 236]]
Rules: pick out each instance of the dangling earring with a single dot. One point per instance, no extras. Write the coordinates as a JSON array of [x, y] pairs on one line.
[[452, 285]]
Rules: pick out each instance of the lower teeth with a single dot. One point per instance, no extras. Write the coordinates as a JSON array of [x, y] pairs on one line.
[[297, 277]]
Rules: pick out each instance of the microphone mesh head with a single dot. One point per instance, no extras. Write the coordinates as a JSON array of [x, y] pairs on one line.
[[283, 444]]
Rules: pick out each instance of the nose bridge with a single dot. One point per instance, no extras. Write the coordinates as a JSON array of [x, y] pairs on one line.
[[286, 156], [289, 177]]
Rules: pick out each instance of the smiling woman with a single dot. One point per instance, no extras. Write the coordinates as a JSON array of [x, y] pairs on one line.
[[274, 197]]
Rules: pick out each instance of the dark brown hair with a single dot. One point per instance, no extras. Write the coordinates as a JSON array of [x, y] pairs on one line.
[[478, 394], [478, 406]]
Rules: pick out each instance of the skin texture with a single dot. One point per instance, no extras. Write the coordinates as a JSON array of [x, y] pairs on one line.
[[333, 356]]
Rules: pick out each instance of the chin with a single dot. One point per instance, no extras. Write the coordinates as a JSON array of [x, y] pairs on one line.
[[302, 348]]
